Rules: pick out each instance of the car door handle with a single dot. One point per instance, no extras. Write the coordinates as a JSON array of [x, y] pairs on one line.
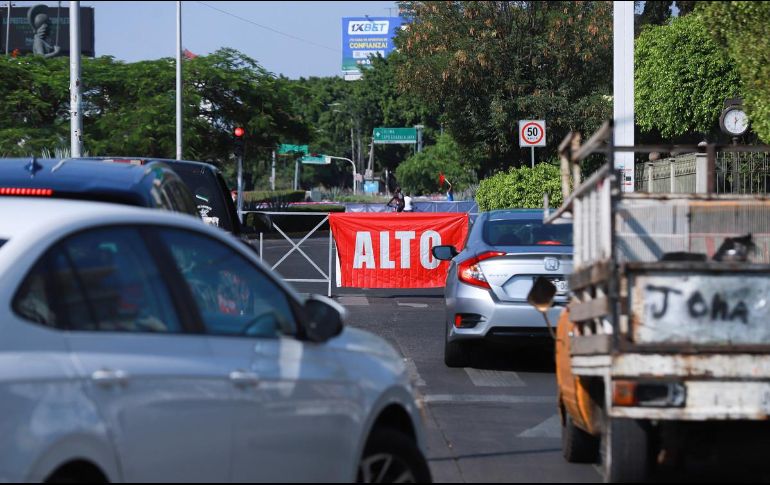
[[109, 377], [244, 379]]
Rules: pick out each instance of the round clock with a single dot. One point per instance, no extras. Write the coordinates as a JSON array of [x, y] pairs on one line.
[[734, 121]]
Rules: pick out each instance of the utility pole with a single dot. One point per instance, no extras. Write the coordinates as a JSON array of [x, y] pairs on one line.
[[355, 172], [76, 100], [179, 80]]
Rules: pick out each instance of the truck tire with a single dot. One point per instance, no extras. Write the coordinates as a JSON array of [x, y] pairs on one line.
[[456, 354], [625, 451], [577, 446]]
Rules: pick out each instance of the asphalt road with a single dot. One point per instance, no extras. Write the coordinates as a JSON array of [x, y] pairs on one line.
[[493, 422]]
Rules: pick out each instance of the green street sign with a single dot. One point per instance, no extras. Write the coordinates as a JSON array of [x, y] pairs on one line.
[[395, 135], [289, 149], [319, 160]]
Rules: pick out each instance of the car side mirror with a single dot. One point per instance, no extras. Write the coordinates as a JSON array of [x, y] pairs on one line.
[[444, 253], [541, 295], [325, 318]]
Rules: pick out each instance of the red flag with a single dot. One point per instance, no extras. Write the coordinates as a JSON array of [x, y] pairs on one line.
[[394, 250], [441, 179], [188, 54]]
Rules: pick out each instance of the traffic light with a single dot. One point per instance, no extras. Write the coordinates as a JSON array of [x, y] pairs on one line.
[[238, 141]]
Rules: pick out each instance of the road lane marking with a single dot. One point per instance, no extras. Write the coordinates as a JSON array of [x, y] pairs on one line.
[[486, 398], [414, 375], [354, 300], [550, 428], [414, 305], [494, 378]]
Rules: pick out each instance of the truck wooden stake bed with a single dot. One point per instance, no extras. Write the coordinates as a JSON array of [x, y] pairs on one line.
[[668, 324]]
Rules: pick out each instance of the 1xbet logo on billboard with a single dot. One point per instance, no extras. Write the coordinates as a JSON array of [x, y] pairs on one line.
[[368, 27]]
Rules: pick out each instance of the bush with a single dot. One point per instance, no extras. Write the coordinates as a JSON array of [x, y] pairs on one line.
[[520, 188], [419, 174]]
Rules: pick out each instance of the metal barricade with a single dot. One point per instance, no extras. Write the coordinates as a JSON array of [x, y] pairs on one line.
[[295, 247]]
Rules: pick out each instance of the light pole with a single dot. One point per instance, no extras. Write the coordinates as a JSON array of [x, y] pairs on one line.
[[179, 80], [8, 29], [355, 172], [76, 99]]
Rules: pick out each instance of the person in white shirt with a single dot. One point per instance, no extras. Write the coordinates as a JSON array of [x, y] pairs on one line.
[[408, 203]]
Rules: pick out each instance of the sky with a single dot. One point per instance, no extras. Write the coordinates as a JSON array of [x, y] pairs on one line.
[[132, 31]]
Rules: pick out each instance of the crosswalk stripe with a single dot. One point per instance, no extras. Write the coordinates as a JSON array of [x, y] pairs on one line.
[[486, 398], [494, 378], [550, 428]]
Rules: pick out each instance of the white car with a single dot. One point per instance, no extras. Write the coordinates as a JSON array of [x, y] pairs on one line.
[[139, 345]]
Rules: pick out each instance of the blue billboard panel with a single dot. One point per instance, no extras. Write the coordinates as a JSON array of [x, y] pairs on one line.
[[363, 37]]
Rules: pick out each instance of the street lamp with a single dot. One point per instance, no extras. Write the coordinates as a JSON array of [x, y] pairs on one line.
[[355, 172]]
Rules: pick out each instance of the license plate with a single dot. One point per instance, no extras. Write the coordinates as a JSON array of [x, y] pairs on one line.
[[562, 286]]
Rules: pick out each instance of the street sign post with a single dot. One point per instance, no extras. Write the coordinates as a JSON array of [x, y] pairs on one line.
[[532, 134], [395, 136]]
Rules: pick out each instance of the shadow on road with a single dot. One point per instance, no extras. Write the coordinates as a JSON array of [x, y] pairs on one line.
[[536, 358]]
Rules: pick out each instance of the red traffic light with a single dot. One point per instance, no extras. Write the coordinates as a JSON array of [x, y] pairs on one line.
[[239, 132]]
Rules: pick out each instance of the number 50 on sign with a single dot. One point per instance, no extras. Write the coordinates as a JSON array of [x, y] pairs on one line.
[[531, 133]]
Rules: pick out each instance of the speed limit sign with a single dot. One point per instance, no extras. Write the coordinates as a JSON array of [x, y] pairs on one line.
[[531, 133]]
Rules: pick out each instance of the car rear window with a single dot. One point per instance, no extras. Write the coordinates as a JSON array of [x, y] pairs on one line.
[[526, 232], [207, 194]]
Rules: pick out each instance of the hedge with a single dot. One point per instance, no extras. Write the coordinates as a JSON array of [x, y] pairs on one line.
[[520, 188]]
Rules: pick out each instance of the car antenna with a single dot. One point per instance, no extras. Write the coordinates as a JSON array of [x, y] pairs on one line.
[[33, 167]]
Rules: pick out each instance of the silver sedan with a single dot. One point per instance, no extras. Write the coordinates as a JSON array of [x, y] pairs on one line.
[[488, 282]]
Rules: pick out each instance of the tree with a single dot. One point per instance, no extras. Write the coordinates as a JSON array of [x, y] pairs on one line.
[[740, 28], [419, 174], [682, 78], [128, 108], [486, 65]]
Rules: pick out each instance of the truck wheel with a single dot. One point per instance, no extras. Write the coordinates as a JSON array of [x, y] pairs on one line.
[[625, 451], [577, 446], [456, 354]]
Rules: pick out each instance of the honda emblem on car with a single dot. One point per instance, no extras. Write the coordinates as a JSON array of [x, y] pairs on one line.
[[551, 264]]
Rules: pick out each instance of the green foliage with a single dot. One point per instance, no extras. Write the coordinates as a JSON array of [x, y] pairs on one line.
[[741, 29], [129, 108], [521, 188], [682, 78], [419, 174], [487, 65]]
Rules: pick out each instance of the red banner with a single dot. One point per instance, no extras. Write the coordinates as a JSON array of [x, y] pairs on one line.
[[393, 250]]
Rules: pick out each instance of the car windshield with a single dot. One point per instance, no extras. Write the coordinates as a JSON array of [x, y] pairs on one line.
[[207, 194], [526, 232]]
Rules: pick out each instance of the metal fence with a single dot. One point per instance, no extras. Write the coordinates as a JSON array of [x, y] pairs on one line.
[[742, 173], [676, 175]]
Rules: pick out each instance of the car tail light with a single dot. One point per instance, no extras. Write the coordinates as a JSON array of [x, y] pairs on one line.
[[470, 271], [549, 243], [26, 191]]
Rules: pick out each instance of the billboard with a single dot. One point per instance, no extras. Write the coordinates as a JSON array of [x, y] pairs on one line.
[[52, 32], [363, 37]]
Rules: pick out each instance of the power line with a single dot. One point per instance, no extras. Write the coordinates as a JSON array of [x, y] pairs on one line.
[[269, 28]]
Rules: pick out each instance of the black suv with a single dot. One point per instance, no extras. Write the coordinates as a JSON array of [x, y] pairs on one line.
[[210, 193], [153, 185]]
